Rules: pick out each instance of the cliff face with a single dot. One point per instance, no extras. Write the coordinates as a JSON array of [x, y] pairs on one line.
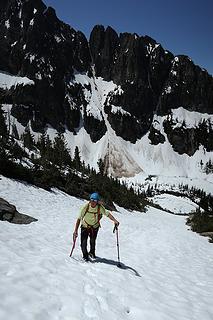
[[147, 79], [37, 45]]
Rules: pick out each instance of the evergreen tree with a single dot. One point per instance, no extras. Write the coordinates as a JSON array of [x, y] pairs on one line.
[[16, 152], [184, 123], [48, 151], [101, 167], [15, 132], [208, 167], [3, 139], [77, 159], [41, 144], [3, 127], [61, 156], [28, 140], [3, 150]]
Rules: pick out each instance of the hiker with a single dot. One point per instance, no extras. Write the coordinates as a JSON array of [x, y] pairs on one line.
[[89, 217]]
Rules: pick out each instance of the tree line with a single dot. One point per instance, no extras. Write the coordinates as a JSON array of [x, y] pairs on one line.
[[48, 163]]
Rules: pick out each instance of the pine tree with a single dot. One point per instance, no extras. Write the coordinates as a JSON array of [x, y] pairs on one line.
[[41, 144], [101, 167], [15, 132], [16, 152], [3, 127], [28, 140], [48, 152], [61, 156], [77, 159]]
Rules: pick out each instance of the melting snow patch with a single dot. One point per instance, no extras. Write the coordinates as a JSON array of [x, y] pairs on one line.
[[174, 73], [58, 40], [7, 80], [175, 204], [38, 76], [168, 89], [7, 24], [13, 44], [116, 109]]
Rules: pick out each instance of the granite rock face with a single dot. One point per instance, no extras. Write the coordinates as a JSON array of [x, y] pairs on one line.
[[36, 44], [187, 140], [188, 86]]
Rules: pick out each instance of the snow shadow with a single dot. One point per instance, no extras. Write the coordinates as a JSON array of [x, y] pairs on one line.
[[115, 263]]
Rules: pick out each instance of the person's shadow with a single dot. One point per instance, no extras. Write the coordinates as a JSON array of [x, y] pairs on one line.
[[115, 263]]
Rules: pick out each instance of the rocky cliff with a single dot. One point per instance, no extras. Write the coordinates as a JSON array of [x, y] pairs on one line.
[[65, 71]]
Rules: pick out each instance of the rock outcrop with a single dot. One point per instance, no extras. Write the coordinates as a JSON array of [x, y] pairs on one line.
[[9, 213]]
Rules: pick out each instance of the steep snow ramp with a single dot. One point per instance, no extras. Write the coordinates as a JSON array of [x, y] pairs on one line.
[[119, 161]]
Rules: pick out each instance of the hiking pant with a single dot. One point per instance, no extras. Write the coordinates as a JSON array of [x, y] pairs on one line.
[[92, 233]]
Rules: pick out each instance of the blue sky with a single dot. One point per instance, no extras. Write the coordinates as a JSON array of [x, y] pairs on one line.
[[183, 27]]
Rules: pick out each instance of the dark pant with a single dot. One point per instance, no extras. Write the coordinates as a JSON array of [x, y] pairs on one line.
[[92, 233]]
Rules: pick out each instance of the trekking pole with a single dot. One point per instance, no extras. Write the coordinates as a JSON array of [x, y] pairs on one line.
[[116, 229], [73, 246]]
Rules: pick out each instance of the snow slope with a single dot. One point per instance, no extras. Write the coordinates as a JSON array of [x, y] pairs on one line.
[[174, 204], [8, 80], [167, 270]]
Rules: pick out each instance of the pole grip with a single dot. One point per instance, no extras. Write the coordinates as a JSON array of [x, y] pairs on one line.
[[115, 228]]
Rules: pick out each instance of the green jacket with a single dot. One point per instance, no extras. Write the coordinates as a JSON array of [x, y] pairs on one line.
[[89, 215]]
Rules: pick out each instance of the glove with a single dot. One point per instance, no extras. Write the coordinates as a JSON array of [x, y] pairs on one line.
[[117, 223]]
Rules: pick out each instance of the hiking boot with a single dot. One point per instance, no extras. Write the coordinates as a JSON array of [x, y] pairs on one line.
[[86, 258], [92, 255]]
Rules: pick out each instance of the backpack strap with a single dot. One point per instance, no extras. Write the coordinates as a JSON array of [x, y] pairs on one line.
[[87, 209], [98, 212], [99, 215]]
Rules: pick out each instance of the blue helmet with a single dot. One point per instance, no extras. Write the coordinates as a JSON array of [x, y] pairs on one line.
[[95, 196]]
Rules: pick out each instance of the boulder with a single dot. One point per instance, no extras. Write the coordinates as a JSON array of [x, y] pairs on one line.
[[9, 213]]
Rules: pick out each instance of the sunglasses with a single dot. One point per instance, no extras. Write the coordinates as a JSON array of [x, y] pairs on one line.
[[94, 200]]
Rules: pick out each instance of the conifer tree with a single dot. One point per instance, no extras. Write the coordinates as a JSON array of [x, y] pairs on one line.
[[77, 159], [41, 144], [101, 167], [3, 127], [61, 156], [15, 132], [27, 138]]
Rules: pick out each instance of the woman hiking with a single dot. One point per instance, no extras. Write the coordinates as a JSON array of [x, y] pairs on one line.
[[89, 217]]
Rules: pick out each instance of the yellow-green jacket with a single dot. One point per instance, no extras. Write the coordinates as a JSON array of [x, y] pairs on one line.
[[89, 215]]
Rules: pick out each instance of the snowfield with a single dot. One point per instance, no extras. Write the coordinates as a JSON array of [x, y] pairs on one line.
[[8, 80], [174, 204], [167, 270]]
